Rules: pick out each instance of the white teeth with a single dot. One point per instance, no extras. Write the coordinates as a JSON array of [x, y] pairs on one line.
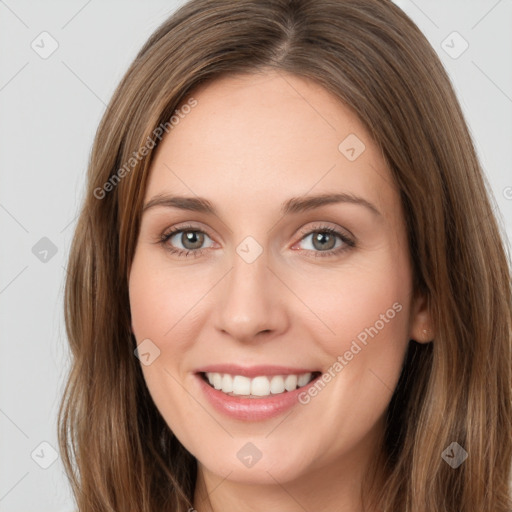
[[217, 380], [290, 383], [241, 385], [227, 383], [277, 385], [258, 386], [303, 379]]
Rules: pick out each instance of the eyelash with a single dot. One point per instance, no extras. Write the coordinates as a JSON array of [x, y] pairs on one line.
[[349, 243]]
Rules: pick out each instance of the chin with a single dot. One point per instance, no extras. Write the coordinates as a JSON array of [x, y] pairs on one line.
[[272, 466]]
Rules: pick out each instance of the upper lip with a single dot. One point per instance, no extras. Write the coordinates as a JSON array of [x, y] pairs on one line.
[[253, 371]]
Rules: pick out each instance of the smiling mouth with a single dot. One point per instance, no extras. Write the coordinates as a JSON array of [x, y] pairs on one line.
[[257, 387]]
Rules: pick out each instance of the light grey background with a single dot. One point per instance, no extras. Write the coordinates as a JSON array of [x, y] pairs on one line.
[[50, 108]]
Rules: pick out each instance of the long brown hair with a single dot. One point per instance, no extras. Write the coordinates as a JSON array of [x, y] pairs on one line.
[[117, 450]]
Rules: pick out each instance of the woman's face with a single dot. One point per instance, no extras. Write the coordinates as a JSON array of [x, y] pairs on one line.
[[265, 297]]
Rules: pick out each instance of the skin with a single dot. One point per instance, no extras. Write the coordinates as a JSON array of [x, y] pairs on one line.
[[252, 142]]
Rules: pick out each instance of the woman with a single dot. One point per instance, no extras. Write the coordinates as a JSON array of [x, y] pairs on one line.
[[258, 368]]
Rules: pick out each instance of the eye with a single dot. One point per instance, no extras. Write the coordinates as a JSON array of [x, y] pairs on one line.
[[323, 241], [189, 237]]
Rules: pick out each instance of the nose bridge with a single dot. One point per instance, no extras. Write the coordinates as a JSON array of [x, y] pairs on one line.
[[249, 303]]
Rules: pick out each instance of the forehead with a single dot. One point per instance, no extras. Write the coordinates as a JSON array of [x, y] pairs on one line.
[[261, 138]]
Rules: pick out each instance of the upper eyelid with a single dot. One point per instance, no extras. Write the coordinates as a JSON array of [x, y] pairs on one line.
[[319, 226], [177, 229]]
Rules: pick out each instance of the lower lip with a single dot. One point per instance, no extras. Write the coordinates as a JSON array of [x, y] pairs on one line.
[[251, 409]]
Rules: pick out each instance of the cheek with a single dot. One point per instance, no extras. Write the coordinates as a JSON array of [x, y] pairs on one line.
[[159, 313], [364, 311], [368, 310], [166, 305], [158, 298], [363, 302]]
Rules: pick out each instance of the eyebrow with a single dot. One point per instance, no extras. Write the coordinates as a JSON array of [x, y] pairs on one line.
[[293, 205]]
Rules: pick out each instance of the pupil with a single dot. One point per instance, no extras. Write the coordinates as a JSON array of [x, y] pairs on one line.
[[189, 237], [320, 237]]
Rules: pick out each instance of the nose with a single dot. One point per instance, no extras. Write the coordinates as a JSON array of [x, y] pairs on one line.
[[251, 305]]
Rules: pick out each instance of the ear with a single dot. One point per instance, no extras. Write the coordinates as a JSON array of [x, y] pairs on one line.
[[421, 328]]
